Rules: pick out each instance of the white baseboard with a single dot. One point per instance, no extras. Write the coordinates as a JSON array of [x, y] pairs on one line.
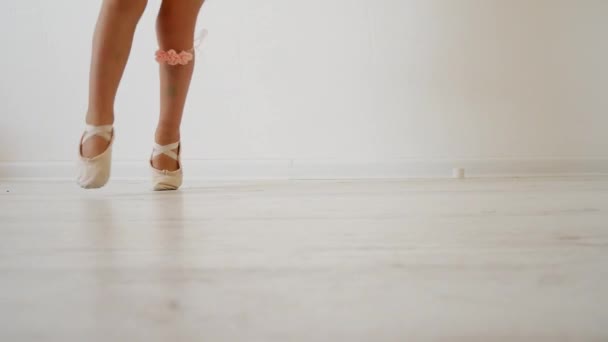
[[443, 168], [321, 169]]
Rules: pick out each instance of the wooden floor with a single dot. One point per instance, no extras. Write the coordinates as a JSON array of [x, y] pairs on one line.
[[417, 260]]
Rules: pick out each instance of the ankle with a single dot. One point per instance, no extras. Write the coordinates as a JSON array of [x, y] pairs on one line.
[[165, 136], [99, 118]]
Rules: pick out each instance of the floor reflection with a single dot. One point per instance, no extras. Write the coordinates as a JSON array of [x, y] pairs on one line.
[[127, 254], [99, 224]]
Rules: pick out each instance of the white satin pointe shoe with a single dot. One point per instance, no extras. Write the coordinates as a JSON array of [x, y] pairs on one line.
[[95, 172], [164, 179]]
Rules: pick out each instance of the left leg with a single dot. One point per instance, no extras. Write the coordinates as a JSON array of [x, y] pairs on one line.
[[175, 27]]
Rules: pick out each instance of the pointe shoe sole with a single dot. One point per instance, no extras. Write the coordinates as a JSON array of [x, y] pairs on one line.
[[166, 180]]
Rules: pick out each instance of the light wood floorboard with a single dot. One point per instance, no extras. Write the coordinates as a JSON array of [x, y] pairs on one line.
[[414, 260]]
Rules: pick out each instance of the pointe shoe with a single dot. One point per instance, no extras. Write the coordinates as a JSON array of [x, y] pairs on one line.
[[164, 179], [94, 172]]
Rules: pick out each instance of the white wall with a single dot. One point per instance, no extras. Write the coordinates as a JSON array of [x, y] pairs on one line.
[[337, 80]]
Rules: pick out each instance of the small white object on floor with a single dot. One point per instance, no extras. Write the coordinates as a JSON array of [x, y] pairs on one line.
[[458, 173]]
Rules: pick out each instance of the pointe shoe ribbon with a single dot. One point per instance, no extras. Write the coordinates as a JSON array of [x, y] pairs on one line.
[[164, 179]]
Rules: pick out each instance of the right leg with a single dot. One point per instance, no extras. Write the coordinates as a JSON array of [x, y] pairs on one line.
[[111, 47]]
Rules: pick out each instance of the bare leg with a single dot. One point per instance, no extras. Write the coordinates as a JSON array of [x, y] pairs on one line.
[[111, 47], [175, 30]]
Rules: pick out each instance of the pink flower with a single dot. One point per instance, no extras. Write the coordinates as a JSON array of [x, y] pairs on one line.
[[160, 56], [171, 57], [185, 57]]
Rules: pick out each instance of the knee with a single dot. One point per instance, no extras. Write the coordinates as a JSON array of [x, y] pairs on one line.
[[170, 14], [179, 13], [127, 7], [169, 22]]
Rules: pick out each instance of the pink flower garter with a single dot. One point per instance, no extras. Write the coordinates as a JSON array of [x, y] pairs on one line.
[[171, 57]]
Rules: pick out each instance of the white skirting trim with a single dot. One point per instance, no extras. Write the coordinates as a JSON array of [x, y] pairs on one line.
[[321, 169]]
